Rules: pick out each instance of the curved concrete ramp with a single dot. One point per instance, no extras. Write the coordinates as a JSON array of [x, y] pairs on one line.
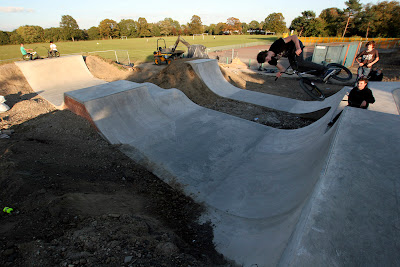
[[387, 97], [51, 77], [353, 218], [254, 179], [210, 73]]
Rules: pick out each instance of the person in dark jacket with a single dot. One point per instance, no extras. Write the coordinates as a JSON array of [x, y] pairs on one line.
[[361, 96]]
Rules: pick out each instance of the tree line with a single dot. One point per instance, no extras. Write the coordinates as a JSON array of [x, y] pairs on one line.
[[379, 20]]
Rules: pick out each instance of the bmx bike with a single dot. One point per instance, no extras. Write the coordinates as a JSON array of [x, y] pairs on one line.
[[52, 53], [336, 71], [31, 56]]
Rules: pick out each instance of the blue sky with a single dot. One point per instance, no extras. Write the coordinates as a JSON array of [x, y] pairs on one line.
[[15, 13]]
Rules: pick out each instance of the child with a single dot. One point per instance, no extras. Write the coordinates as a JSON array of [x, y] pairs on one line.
[[53, 48], [361, 96], [366, 59]]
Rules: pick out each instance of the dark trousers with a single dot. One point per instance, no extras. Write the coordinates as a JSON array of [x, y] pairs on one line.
[[298, 62]]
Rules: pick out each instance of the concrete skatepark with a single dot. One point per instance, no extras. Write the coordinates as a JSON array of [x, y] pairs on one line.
[[274, 196]]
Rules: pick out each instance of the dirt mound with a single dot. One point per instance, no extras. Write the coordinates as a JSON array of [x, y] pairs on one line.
[[180, 75], [79, 201], [105, 69], [23, 102]]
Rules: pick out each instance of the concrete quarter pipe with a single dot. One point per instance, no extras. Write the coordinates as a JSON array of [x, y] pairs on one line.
[[51, 77]]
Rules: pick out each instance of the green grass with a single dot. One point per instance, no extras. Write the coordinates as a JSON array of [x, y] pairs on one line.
[[139, 49]]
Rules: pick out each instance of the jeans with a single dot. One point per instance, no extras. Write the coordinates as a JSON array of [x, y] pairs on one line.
[[363, 71]]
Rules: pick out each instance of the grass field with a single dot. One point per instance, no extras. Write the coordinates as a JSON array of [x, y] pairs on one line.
[[138, 49]]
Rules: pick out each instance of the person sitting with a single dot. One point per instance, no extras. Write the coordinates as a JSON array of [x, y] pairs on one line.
[[292, 48], [26, 51], [361, 96], [53, 48], [366, 59]]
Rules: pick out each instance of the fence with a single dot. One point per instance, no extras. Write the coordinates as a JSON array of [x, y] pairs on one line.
[[119, 56], [380, 42], [236, 46]]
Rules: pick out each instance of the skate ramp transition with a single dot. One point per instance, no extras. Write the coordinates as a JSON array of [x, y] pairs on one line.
[[264, 188], [51, 77], [210, 73]]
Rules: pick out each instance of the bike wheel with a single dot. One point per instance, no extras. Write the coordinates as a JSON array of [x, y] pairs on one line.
[[311, 89], [27, 57], [342, 74], [57, 54]]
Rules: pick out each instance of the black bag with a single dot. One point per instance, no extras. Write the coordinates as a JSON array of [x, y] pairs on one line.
[[375, 75]]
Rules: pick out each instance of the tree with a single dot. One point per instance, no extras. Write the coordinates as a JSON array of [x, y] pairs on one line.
[[70, 27], [4, 38], [245, 27], [108, 28], [210, 29], [387, 20], [53, 34], [233, 25], [275, 22], [195, 25], [143, 28], [167, 25], [334, 21], [155, 30], [93, 33], [352, 13], [308, 25], [15, 38], [31, 34], [128, 27], [219, 28], [254, 25]]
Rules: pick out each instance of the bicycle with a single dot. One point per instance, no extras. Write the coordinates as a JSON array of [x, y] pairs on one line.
[[52, 53], [31, 56], [339, 73]]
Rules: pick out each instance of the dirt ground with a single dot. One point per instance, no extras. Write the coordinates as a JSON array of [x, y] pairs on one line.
[[79, 201]]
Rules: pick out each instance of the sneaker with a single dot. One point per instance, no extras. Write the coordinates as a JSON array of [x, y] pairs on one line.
[[328, 74]]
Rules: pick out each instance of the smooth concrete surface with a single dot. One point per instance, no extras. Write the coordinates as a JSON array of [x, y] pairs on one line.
[[353, 218], [385, 96], [51, 77], [210, 73], [396, 96], [254, 179], [306, 197]]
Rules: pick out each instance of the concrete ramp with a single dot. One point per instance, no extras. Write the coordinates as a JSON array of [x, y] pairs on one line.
[[210, 73], [254, 179], [353, 218], [51, 77], [387, 96]]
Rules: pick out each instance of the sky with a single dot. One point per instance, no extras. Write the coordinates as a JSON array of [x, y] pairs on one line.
[[88, 13]]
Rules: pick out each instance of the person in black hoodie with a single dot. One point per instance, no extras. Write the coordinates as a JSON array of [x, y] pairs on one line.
[[361, 96]]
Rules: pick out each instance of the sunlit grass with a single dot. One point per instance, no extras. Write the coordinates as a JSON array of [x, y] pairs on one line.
[[139, 49]]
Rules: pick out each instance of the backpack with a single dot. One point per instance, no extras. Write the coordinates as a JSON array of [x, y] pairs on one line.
[[375, 75]]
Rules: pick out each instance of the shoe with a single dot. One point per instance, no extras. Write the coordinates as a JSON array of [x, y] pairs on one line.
[[328, 74]]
